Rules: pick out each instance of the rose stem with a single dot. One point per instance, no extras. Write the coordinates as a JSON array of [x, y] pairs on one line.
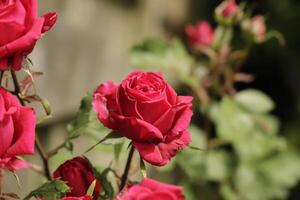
[[37, 141], [1, 76], [127, 167], [1, 180]]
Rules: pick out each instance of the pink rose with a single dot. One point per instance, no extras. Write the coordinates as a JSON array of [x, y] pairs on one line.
[[258, 27], [17, 131], [201, 34], [149, 190], [229, 8], [20, 28], [147, 110], [78, 198], [79, 176]]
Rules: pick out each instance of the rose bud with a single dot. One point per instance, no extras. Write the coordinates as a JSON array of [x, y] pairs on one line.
[[20, 28], [17, 131], [201, 34], [151, 189], [78, 175], [147, 110], [258, 27], [77, 198], [229, 8]]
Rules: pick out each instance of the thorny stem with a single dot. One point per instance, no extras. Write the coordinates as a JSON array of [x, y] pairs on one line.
[[37, 141], [44, 157], [127, 168]]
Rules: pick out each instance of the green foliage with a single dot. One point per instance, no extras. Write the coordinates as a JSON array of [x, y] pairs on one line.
[[155, 54], [50, 190], [107, 188], [86, 121]]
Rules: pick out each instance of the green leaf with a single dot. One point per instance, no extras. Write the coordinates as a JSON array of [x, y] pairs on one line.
[[111, 135], [217, 165], [143, 168], [118, 149], [171, 57], [91, 188], [50, 190], [106, 185], [255, 101], [86, 121]]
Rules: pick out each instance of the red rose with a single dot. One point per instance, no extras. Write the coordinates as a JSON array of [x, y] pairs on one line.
[[79, 176], [78, 198], [145, 109], [229, 8], [17, 131], [201, 34], [20, 28], [149, 190]]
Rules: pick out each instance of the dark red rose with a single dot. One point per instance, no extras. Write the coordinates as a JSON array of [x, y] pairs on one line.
[[149, 190], [20, 28], [147, 110], [201, 34], [78, 175], [17, 131]]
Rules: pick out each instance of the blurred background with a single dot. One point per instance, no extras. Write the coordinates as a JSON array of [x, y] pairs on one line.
[[90, 44]]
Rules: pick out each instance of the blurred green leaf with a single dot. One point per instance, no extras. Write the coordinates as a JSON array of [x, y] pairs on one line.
[[86, 121], [107, 188], [255, 101], [171, 56], [50, 190], [216, 164]]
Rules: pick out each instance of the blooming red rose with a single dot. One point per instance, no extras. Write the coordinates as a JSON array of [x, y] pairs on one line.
[[201, 34], [145, 109], [20, 28], [17, 131], [78, 175], [77, 198], [149, 190]]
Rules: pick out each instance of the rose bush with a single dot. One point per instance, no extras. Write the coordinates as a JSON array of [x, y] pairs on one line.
[[201, 34], [17, 131], [145, 109], [20, 28], [151, 189], [78, 175]]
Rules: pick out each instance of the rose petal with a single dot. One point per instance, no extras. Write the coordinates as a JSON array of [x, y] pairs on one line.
[[50, 20], [16, 164], [161, 154], [24, 135], [136, 129], [104, 102]]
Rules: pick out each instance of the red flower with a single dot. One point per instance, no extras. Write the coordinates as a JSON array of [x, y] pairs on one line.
[[150, 189], [20, 28], [258, 27], [145, 109], [17, 131], [78, 198], [229, 8], [201, 34], [79, 176]]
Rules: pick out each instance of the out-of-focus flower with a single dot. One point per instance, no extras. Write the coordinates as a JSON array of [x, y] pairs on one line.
[[200, 34]]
